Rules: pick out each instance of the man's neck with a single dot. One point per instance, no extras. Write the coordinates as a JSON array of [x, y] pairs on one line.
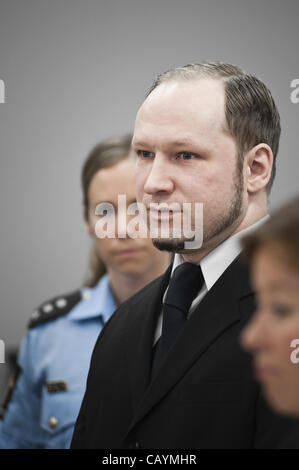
[[250, 218]]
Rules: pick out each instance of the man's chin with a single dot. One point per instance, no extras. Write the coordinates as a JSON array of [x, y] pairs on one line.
[[171, 245]]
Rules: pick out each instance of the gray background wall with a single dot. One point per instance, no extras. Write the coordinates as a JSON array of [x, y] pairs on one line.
[[75, 72]]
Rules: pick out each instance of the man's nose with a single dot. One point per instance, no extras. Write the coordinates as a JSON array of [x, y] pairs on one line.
[[160, 177]]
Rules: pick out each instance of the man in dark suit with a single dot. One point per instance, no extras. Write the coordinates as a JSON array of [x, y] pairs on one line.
[[167, 370]]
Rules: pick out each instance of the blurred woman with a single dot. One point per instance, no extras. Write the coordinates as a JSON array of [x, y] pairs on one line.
[[272, 336], [45, 397]]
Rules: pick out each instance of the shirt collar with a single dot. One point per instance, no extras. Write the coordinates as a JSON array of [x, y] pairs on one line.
[[95, 301], [215, 263]]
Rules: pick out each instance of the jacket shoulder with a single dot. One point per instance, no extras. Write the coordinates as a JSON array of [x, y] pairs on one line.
[[148, 295], [54, 308]]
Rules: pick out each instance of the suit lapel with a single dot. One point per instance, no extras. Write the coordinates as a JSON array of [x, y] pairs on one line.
[[139, 338], [218, 311]]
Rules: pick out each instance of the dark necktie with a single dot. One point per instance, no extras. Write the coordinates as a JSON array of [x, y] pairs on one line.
[[185, 283]]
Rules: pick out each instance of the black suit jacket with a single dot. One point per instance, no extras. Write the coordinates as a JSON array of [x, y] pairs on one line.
[[204, 395]]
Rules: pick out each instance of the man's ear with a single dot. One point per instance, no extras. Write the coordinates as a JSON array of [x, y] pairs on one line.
[[259, 162]]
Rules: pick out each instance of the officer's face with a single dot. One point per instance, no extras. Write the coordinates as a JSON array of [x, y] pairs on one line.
[[185, 155], [122, 255], [273, 333]]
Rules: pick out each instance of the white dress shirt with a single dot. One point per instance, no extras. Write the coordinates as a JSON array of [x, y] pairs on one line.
[[213, 266]]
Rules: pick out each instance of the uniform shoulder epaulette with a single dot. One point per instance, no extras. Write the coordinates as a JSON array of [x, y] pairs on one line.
[[54, 308]]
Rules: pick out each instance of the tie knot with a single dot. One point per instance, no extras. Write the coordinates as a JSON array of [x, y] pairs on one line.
[[186, 281]]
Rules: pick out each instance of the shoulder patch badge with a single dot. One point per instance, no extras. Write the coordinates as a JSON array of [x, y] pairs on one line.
[[54, 308]]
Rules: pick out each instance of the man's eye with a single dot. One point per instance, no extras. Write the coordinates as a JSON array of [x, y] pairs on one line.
[[145, 154], [187, 155]]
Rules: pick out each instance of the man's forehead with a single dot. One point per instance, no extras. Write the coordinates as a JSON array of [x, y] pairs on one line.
[[184, 103], [181, 114], [207, 90]]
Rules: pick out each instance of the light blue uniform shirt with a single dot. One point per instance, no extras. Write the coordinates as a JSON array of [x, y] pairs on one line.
[[57, 350]]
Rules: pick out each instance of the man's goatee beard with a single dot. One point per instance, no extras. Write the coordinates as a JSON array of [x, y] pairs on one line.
[[173, 246]]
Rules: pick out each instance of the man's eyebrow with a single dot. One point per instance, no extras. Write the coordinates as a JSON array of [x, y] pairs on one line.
[[175, 143]]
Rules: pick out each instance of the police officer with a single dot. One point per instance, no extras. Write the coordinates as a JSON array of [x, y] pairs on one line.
[[44, 397]]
